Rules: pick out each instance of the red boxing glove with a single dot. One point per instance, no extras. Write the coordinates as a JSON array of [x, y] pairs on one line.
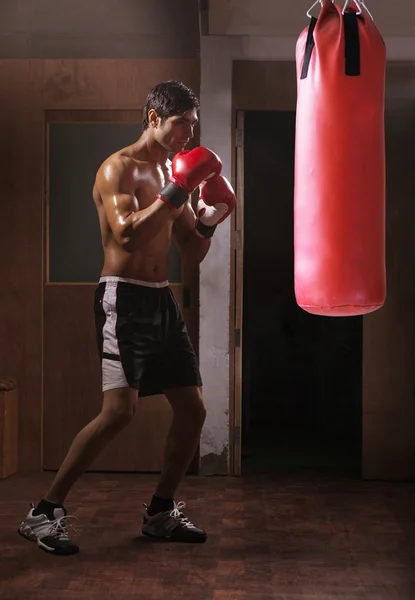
[[189, 169], [216, 202]]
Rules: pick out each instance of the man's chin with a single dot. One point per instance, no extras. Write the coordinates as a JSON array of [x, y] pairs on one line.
[[176, 147]]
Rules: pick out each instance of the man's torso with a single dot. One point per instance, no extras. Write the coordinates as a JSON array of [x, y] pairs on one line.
[[149, 261]]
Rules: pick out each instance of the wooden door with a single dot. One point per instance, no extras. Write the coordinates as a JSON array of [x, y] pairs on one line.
[[77, 142]]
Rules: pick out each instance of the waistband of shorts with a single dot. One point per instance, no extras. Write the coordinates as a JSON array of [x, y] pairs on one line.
[[151, 284]]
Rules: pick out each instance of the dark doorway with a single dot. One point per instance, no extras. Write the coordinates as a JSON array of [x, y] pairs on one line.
[[302, 374]]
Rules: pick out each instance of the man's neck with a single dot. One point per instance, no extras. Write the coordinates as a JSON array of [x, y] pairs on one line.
[[154, 152]]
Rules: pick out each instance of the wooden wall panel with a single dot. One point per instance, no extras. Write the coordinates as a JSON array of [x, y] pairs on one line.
[[266, 85], [31, 87], [21, 132]]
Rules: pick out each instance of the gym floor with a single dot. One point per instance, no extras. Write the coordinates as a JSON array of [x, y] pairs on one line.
[[275, 536]]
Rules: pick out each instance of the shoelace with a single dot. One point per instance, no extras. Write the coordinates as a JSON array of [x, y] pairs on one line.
[[176, 513], [59, 528]]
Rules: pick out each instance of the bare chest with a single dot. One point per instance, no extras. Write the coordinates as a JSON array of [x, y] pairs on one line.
[[152, 180]]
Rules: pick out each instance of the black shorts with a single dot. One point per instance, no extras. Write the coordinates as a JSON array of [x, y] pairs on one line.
[[142, 338]]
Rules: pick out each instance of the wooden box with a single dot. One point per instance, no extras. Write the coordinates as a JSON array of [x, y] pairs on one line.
[[9, 418]]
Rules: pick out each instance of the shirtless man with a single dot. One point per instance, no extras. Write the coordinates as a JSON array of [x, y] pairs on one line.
[[143, 201]]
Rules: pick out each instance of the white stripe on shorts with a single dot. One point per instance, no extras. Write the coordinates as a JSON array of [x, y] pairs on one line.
[[113, 375]]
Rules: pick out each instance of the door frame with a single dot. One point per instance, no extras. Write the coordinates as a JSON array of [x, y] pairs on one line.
[[236, 304]]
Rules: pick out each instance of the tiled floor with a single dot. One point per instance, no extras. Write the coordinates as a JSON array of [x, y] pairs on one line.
[[298, 536]]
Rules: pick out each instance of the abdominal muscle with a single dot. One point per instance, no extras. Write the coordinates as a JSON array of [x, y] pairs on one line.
[[150, 263]]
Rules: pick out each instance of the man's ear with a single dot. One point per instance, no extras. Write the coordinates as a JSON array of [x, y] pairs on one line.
[[153, 119]]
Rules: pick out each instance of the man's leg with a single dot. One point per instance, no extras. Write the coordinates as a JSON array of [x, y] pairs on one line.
[[46, 523], [164, 519], [118, 409], [189, 415]]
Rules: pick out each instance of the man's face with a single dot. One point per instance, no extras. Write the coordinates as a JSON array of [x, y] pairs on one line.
[[176, 131]]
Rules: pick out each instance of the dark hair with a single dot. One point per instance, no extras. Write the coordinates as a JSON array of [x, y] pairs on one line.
[[169, 98]]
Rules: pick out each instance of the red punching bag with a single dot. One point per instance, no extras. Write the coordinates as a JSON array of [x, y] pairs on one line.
[[339, 190]]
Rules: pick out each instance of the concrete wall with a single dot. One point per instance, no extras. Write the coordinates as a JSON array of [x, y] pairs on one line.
[[286, 18], [99, 29]]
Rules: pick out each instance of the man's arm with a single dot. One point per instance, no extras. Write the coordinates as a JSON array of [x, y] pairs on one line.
[[116, 183], [193, 248]]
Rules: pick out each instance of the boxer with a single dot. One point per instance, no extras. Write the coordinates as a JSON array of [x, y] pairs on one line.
[[143, 204]]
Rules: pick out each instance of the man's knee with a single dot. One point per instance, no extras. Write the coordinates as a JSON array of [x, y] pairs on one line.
[[119, 406], [187, 403], [201, 410], [196, 411]]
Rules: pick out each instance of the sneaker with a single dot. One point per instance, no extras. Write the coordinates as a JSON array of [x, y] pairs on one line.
[[51, 534], [172, 525]]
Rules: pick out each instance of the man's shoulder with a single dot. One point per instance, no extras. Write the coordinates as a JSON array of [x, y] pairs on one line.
[[117, 166], [119, 160]]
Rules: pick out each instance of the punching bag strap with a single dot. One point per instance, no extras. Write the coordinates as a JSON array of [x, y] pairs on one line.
[[351, 35], [308, 48], [352, 44]]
